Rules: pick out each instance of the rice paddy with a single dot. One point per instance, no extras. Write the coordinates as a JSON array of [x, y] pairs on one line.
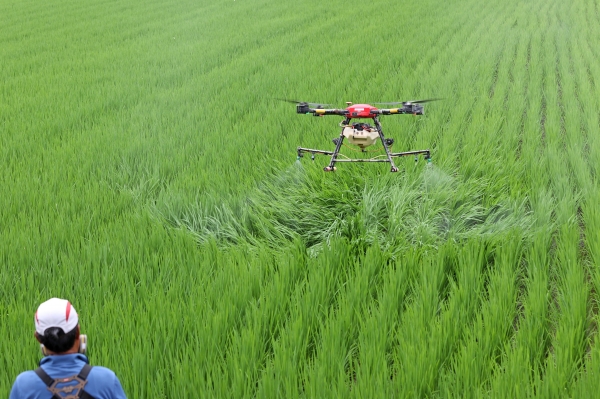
[[149, 174]]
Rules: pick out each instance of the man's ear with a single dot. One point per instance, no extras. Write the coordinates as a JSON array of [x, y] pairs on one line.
[[37, 336]]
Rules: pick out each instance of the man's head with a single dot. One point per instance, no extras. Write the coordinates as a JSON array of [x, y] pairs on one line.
[[57, 326]]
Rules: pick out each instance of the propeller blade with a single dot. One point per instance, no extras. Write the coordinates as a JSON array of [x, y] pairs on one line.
[[423, 101], [289, 101], [411, 101], [314, 105]]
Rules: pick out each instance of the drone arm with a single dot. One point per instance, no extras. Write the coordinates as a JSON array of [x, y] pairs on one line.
[[391, 111], [303, 108], [321, 112], [415, 109]]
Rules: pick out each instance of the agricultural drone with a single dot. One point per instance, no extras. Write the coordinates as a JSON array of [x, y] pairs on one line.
[[361, 134]]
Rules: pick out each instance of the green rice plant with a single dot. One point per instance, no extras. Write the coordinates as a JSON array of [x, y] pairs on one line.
[[297, 342], [522, 359], [333, 369], [569, 341], [587, 382], [482, 345], [250, 344], [431, 328], [375, 340]]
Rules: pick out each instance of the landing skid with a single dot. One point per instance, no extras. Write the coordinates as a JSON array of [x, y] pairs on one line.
[[388, 157]]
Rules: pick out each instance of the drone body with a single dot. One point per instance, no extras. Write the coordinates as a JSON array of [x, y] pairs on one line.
[[361, 111], [361, 134]]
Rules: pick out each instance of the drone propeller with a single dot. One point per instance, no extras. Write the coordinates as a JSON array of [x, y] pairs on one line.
[[422, 101], [411, 102], [312, 105]]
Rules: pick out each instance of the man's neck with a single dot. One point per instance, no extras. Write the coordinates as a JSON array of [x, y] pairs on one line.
[[74, 349], [69, 352]]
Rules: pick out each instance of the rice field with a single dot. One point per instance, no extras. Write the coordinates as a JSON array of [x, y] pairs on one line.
[[149, 174]]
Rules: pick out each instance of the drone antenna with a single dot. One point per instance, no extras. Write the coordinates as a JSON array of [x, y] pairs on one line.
[[348, 103]]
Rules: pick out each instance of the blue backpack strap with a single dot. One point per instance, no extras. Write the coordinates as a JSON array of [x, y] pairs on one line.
[[85, 371], [83, 374], [44, 376], [47, 379], [84, 395]]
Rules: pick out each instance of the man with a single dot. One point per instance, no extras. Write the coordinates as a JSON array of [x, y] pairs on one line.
[[64, 370]]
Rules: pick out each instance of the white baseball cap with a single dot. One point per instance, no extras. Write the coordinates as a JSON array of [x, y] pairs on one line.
[[55, 312]]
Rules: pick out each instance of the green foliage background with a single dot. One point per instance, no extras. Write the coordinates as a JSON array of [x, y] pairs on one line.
[[148, 175]]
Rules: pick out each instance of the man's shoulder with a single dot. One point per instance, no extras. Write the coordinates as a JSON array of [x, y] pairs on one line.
[[27, 377], [102, 382], [101, 372], [96, 372], [27, 385]]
